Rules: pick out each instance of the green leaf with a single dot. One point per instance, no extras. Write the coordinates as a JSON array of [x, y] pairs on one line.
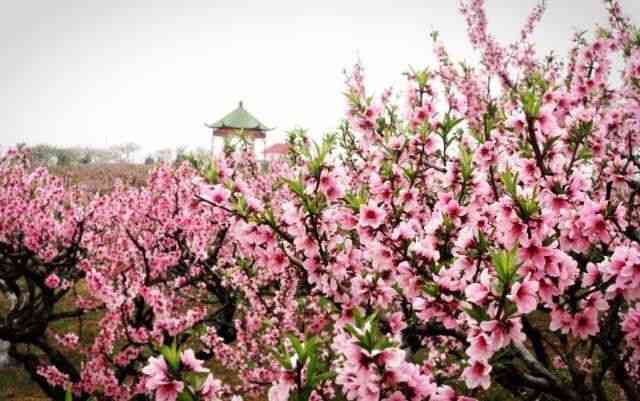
[[509, 309], [584, 129], [298, 347], [432, 289], [372, 320], [506, 264], [531, 103], [281, 355], [510, 182], [386, 169], [356, 199], [359, 318], [241, 205], [466, 163], [382, 342], [295, 186], [548, 144], [195, 379], [353, 331], [326, 304], [312, 369], [422, 78], [171, 355], [529, 207], [316, 162], [409, 173], [325, 376], [477, 313], [584, 153], [185, 396], [448, 124]]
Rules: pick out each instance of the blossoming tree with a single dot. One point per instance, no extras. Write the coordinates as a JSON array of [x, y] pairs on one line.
[[483, 235], [41, 231]]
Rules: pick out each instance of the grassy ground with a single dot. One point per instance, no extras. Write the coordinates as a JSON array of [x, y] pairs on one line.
[[15, 384]]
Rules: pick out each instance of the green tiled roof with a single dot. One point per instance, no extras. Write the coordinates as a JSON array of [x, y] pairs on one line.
[[239, 119]]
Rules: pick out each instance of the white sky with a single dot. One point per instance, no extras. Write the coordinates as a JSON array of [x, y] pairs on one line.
[[94, 72]]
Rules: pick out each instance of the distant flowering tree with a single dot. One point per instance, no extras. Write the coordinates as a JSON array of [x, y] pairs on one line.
[[481, 238]]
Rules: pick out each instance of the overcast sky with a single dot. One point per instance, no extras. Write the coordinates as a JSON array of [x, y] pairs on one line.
[[97, 72]]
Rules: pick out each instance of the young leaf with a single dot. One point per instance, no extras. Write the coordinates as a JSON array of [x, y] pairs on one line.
[[510, 181]]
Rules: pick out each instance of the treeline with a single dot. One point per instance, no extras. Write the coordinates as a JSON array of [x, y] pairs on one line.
[[51, 155], [65, 156]]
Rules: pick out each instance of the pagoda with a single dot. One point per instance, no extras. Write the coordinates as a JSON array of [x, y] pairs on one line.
[[238, 122]]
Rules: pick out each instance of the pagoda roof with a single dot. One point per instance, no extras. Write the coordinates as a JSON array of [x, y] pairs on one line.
[[239, 119]]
